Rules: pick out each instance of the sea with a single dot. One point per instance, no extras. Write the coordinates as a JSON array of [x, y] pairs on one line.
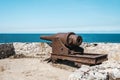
[[90, 38]]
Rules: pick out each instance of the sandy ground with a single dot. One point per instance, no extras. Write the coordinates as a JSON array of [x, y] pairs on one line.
[[30, 69]]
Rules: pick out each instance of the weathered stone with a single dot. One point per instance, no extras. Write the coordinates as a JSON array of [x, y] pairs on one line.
[[6, 50], [32, 49], [98, 72], [27, 49], [115, 73]]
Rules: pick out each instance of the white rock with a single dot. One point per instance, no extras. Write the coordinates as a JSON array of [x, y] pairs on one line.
[[98, 72], [32, 49], [116, 73], [84, 68]]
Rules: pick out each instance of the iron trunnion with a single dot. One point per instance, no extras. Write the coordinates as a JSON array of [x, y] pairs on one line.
[[65, 46]]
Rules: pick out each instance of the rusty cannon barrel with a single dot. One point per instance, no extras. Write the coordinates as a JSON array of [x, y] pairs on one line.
[[68, 39]]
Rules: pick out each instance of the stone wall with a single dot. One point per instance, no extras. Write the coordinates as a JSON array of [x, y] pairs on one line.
[[25, 49], [32, 49]]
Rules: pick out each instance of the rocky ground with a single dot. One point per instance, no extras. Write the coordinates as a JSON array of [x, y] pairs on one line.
[[108, 70], [28, 64]]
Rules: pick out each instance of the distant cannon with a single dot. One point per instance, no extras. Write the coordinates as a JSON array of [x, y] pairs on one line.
[[66, 46]]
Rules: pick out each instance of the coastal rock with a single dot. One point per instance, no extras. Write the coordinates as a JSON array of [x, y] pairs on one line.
[[32, 49], [116, 73], [19, 49], [6, 50], [105, 71]]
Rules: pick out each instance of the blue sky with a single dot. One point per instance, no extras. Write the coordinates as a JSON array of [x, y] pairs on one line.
[[44, 16]]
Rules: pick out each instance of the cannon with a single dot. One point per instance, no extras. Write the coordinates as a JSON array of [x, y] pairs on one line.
[[66, 46]]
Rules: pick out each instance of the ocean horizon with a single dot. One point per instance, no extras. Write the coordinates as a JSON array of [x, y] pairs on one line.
[[33, 37]]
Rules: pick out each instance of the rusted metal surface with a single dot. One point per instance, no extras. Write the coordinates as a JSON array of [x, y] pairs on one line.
[[83, 59], [65, 46]]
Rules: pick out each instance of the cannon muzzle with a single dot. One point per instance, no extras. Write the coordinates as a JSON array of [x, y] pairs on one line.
[[50, 38]]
